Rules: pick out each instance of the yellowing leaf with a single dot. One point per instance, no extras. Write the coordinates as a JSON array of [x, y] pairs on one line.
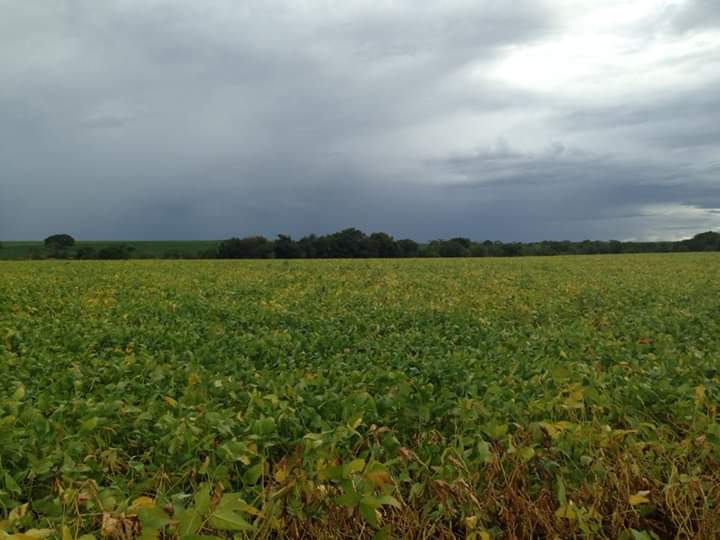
[[170, 401], [566, 511], [574, 399], [235, 503], [31, 534], [471, 522], [355, 466], [39, 533], [142, 502], [18, 512], [639, 498], [378, 475], [281, 473], [245, 507], [551, 430], [19, 393]]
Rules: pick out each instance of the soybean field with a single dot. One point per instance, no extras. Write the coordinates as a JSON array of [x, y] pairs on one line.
[[557, 397]]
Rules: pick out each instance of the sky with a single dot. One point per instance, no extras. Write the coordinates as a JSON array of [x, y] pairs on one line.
[[489, 119]]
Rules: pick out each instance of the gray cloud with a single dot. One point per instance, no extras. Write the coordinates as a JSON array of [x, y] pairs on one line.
[[577, 185], [697, 14], [129, 119]]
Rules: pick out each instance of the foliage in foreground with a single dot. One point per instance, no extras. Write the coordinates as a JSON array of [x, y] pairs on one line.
[[565, 397]]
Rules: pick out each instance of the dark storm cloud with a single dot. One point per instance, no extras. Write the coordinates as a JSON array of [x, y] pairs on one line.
[[577, 185], [184, 119], [683, 106]]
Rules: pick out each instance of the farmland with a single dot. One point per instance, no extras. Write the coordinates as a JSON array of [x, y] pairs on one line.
[[498, 398]]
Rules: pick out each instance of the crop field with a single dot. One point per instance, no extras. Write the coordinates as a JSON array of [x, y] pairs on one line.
[[567, 397]]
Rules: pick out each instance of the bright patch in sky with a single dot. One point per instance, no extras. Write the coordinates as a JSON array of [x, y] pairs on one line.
[[607, 51]]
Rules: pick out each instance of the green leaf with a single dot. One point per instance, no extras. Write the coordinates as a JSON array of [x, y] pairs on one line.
[[253, 474], [349, 499], [189, 521], [202, 498], [526, 453], [387, 500], [562, 497], [228, 520], [235, 503], [89, 425], [265, 426], [496, 431], [643, 535], [367, 511], [153, 518], [355, 466], [11, 485], [149, 534], [484, 452]]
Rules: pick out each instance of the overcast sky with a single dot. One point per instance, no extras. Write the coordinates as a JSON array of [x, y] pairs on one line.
[[509, 120]]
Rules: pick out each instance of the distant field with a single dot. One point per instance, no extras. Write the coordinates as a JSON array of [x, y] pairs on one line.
[[142, 249], [564, 397]]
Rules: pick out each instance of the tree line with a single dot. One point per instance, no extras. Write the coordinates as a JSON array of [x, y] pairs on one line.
[[353, 243]]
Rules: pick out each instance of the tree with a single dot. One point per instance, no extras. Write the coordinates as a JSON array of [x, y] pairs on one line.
[[464, 242], [349, 243], [453, 248], [209, 253], [308, 247], [252, 247], [115, 252], [57, 245], [478, 250], [86, 252], [512, 249], [59, 241], [408, 248], [707, 241], [173, 254], [383, 245], [286, 248]]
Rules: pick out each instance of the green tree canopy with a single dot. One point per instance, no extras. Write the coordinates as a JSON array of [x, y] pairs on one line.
[[59, 240]]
